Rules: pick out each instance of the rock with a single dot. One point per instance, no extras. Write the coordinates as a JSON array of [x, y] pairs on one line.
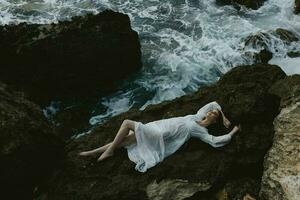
[[293, 54], [258, 41], [86, 56], [297, 7], [261, 41], [286, 35], [254, 4], [281, 175], [237, 188], [29, 147], [174, 189], [71, 120], [287, 89], [198, 169]]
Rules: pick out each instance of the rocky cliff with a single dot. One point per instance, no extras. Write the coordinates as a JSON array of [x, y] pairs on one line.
[[281, 178], [196, 170]]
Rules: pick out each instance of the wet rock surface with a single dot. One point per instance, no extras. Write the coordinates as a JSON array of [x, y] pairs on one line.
[[258, 46], [84, 57], [29, 146], [200, 170]]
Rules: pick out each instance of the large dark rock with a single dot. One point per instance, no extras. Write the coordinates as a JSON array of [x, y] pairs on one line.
[[85, 56], [254, 4], [29, 147], [196, 170]]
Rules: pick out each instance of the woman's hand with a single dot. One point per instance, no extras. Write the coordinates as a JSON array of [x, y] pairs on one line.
[[226, 122], [237, 128]]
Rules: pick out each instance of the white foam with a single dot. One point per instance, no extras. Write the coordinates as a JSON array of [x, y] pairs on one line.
[[288, 65]]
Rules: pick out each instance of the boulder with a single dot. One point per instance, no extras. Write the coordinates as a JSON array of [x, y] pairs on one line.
[[281, 175], [256, 46], [86, 56], [196, 170], [253, 4], [29, 146]]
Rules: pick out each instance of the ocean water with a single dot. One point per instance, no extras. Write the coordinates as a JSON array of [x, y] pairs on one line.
[[185, 44]]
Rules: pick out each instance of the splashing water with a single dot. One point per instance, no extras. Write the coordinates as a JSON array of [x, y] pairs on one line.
[[185, 44]]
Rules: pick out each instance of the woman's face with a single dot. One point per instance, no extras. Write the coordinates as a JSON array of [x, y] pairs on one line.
[[212, 115]]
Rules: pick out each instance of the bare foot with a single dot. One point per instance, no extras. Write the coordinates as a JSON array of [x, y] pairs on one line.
[[248, 197], [86, 153], [106, 154]]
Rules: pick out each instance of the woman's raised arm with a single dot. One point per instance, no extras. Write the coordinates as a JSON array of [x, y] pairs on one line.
[[211, 106], [226, 122], [208, 107]]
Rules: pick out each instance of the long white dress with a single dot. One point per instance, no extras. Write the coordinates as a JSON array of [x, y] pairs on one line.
[[158, 139]]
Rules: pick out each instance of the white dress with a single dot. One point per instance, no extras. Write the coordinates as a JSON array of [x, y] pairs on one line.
[[158, 139]]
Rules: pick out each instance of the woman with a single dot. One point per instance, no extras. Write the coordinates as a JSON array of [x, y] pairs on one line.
[[148, 144]]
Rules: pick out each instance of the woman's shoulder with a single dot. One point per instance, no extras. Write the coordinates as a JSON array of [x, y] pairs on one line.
[[194, 126]]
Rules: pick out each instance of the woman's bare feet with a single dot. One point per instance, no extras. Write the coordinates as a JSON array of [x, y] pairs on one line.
[[248, 197], [94, 151], [86, 153], [91, 152], [106, 154]]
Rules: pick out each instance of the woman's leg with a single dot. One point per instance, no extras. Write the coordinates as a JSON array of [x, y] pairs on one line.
[[129, 139], [94, 151], [126, 126]]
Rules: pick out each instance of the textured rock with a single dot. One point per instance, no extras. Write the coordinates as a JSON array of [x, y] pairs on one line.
[[261, 42], [254, 4], [176, 189], [29, 148], [287, 89], [243, 95], [84, 57], [72, 120], [286, 35], [281, 178]]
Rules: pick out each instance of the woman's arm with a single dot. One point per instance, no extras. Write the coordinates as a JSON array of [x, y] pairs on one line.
[[208, 107], [226, 122], [218, 141], [211, 106]]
